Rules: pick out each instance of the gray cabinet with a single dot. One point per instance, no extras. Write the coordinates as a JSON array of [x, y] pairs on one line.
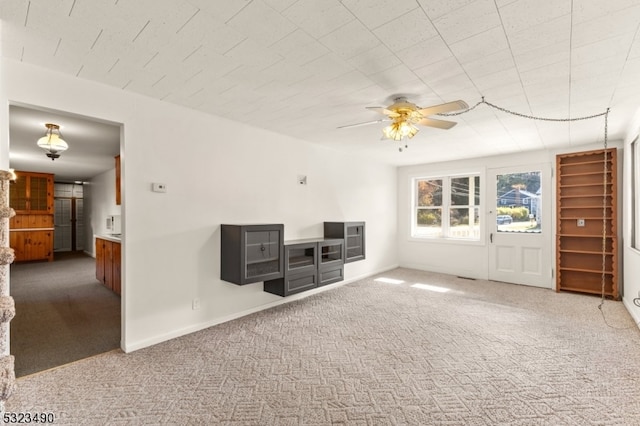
[[353, 234], [251, 253], [331, 268], [300, 269], [308, 264]]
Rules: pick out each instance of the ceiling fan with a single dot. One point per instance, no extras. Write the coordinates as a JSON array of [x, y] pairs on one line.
[[405, 116]]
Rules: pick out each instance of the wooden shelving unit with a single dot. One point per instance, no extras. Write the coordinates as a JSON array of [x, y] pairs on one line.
[[587, 222]]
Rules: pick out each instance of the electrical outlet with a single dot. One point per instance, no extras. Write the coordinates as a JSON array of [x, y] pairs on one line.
[[581, 223], [195, 304]]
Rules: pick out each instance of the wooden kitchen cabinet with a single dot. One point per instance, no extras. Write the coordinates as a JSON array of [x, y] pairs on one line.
[[31, 229], [32, 193], [108, 264], [32, 245]]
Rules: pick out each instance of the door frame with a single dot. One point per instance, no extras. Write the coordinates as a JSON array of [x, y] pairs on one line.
[[511, 244]]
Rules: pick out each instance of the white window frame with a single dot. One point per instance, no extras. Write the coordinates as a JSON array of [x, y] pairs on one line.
[[635, 186], [447, 206]]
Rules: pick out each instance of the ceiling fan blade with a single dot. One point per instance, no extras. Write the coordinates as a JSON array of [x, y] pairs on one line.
[[381, 110], [439, 124], [448, 107], [366, 123]]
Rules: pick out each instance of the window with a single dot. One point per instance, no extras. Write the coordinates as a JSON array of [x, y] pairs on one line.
[[522, 213], [446, 207]]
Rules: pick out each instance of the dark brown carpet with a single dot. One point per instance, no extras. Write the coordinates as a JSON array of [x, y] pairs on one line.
[[63, 313]]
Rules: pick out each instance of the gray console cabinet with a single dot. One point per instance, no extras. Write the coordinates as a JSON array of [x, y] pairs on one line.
[[251, 253], [353, 234]]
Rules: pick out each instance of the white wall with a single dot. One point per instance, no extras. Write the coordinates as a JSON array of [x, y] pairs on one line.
[[445, 256], [99, 202], [631, 255], [237, 174]]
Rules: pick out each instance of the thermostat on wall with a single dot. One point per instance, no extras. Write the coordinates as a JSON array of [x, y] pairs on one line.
[[158, 187]]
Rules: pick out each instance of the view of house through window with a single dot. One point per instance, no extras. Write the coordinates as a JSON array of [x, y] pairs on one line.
[[447, 207], [519, 202]]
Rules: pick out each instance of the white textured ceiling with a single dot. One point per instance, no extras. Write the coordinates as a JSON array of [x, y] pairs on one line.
[[305, 67]]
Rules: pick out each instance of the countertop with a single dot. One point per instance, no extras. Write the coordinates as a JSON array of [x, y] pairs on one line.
[[116, 238]]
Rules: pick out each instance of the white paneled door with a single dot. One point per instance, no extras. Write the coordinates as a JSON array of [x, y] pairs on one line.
[[520, 225]]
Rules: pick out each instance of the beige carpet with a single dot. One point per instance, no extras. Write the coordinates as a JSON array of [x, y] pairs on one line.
[[371, 353]]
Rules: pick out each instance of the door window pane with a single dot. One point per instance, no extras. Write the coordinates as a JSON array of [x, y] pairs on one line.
[[519, 202]]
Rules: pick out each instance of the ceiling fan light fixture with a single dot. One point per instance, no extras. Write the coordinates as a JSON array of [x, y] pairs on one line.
[[52, 142], [399, 130]]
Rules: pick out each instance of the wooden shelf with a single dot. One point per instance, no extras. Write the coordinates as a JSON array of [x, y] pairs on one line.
[[589, 291], [581, 179], [593, 173], [597, 185], [599, 253], [584, 236], [608, 195], [596, 271]]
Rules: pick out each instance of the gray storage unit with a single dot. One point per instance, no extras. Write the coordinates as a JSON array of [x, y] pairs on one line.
[[251, 253]]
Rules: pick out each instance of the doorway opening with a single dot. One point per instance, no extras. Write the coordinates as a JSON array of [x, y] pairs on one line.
[[63, 312]]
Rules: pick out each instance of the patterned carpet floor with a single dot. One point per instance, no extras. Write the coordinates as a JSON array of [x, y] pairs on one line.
[[402, 348]]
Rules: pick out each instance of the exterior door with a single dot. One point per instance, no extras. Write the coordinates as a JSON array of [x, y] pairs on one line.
[[519, 225]]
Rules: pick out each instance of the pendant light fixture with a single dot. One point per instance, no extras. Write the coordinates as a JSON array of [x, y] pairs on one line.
[[52, 142]]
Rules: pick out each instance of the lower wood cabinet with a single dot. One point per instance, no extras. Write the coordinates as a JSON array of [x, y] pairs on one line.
[[108, 264], [31, 237], [32, 245]]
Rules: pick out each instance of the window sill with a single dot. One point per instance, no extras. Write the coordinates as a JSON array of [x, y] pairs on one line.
[[442, 240]]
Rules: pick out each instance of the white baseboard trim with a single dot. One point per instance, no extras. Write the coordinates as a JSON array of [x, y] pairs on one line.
[[468, 273], [141, 344]]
